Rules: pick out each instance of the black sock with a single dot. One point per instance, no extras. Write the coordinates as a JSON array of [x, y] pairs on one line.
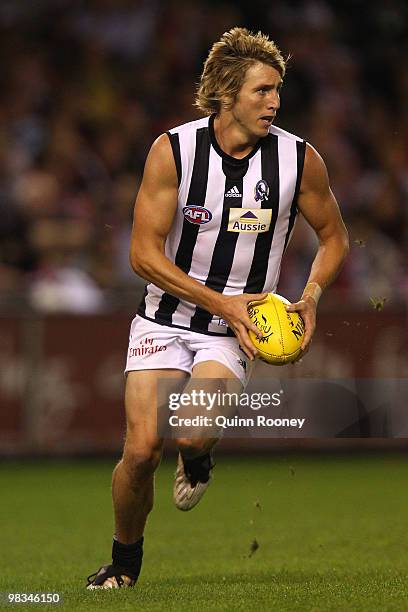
[[198, 469], [128, 556]]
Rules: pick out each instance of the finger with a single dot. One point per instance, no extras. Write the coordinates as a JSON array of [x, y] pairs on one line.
[[306, 340], [255, 297], [248, 352], [258, 333], [246, 324], [304, 348], [258, 296], [249, 325], [299, 357], [295, 306], [306, 337], [245, 342], [302, 353], [305, 345]]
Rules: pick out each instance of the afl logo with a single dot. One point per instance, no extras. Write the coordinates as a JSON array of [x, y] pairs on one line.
[[261, 191], [197, 214]]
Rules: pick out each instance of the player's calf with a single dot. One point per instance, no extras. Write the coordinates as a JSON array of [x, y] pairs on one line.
[[190, 448], [140, 464]]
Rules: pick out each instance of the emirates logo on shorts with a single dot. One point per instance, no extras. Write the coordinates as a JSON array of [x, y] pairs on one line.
[[146, 347]]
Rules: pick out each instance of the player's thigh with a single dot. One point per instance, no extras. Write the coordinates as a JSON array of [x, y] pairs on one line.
[[219, 387], [220, 383], [141, 404], [213, 369]]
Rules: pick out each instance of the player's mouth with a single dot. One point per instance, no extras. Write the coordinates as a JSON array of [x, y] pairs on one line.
[[267, 120]]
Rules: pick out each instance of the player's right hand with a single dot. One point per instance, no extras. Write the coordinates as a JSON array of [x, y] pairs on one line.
[[234, 310]]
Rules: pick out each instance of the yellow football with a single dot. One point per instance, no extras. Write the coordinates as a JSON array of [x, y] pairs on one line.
[[282, 331]]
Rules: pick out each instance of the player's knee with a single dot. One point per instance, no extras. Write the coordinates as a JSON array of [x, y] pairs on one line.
[[191, 448], [140, 464]]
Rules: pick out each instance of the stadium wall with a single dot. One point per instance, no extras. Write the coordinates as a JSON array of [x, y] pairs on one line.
[[61, 379]]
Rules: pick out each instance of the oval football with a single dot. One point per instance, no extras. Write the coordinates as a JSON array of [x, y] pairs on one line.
[[282, 331]]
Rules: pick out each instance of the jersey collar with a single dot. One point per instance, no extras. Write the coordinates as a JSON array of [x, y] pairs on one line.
[[221, 153]]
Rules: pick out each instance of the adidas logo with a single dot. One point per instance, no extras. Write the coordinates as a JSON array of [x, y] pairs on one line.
[[233, 193]]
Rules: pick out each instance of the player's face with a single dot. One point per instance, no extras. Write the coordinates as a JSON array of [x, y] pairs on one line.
[[258, 100]]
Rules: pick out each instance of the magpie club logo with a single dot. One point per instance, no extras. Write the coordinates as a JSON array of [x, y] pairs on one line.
[[261, 191]]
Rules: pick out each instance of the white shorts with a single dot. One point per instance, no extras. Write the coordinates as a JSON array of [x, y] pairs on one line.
[[153, 346]]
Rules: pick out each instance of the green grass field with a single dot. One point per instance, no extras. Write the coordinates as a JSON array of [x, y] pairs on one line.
[[332, 535]]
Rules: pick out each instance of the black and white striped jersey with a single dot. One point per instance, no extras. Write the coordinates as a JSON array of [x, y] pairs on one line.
[[233, 221]]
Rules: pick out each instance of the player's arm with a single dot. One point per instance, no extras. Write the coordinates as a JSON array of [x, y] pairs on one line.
[[155, 208], [320, 209]]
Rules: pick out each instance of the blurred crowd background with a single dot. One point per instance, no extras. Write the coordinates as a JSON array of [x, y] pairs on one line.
[[87, 86]]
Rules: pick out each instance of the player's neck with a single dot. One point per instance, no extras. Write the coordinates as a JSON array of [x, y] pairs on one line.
[[232, 138]]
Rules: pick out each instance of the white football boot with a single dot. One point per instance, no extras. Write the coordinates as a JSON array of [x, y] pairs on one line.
[[191, 481]]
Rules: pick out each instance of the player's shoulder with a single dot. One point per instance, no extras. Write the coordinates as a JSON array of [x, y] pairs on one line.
[[165, 149], [277, 131], [190, 126]]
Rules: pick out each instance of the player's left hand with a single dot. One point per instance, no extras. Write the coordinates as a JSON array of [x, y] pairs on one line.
[[306, 307]]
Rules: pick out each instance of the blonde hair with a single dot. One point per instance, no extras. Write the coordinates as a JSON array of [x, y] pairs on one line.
[[226, 66]]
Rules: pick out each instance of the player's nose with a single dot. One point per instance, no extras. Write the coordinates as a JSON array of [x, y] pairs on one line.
[[273, 100]]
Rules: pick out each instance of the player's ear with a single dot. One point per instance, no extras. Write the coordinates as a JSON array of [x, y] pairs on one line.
[[226, 102]]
